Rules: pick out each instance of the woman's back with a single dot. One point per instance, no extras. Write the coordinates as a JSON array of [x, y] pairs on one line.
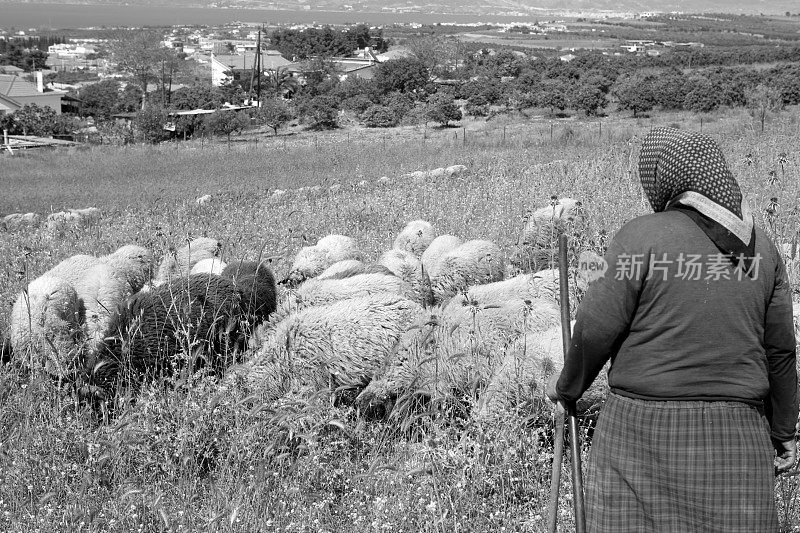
[[697, 330]]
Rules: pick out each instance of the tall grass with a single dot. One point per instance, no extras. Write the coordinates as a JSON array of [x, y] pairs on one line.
[[206, 458]]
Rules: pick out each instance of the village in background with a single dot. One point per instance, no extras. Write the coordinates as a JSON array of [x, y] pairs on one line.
[[129, 85]]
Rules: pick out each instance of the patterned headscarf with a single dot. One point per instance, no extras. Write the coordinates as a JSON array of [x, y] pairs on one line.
[[680, 170]]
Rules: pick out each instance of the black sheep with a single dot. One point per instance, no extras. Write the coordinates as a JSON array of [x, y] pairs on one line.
[[198, 316], [255, 283]]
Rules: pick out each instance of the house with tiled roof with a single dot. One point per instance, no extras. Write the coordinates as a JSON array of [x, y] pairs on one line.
[[15, 92], [10, 69]]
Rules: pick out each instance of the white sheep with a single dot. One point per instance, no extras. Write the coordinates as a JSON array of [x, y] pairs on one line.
[[179, 263], [210, 265], [340, 268], [72, 269], [45, 326], [474, 262], [408, 267], [456, 348], [415, 237], [437, 173], [132, 262], [326, 291], [277, 193], [455, 170], [203, 200], [384, 180], [311, 261], [102, 290], [538, 244], [57, 223], [523, 372], [437, 248], [18, 221], [338, 345]]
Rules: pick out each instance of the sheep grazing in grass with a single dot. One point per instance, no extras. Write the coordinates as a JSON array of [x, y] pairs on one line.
[[415, 237], [544, 284], [57, 223], [352, 267], [179, 264], [255, 283], [132, 262], [203, 200], [456, 349], [100, 287], [455, 170], [338, 345], [472, 263], [18, 221], [73, 268], [336, 270], [437, 248], [45, 326], [211, 265], [523, 373], [407, 266], [537, 246], [326, 291], [102, 290], [197, 316], [311, 261]]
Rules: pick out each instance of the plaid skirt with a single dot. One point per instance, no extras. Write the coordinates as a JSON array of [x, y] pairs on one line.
[[680, 466]]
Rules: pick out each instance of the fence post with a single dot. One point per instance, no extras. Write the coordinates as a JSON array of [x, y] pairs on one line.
[[551, 132], [464, 133], [600, 134]]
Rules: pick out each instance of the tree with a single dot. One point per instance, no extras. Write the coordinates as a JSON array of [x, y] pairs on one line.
[[553, 95], [99, 99], [274, 113], [149, 123], [225, 122], [26, 58], [140, 54], [762, 101], [702, 96], [635, 93], [280, 82], [404, 75], [197, 96], [442, 109], [33, 120], [587, 98], [321, 111], [378, 116]]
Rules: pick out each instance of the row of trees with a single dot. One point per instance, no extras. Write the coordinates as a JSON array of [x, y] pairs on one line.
[[326, 42]]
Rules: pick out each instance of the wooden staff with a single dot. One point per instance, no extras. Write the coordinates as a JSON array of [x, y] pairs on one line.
[[577, 474]]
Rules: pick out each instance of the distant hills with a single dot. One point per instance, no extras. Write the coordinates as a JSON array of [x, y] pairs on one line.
[[466, 7]]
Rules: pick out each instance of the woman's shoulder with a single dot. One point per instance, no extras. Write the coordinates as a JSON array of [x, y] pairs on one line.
[[650, 226]]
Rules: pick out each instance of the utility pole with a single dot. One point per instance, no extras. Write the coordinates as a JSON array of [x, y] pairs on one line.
[[258, 61]]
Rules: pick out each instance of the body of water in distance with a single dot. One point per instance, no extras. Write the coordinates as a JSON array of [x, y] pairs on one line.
[[22, 16]]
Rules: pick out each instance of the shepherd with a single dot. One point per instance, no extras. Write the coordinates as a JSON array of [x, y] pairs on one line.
[[695, 313]]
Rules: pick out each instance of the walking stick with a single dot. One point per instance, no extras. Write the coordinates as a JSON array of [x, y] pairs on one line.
[[555, 478], [577, 475]]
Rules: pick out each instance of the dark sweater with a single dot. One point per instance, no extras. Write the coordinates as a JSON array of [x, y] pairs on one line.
[[673, 333]]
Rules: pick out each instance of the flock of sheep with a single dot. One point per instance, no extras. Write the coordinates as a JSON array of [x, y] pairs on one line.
[[54, 223], [433, 315]]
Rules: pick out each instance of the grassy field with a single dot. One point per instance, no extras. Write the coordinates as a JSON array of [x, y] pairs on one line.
[[201, 458]]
